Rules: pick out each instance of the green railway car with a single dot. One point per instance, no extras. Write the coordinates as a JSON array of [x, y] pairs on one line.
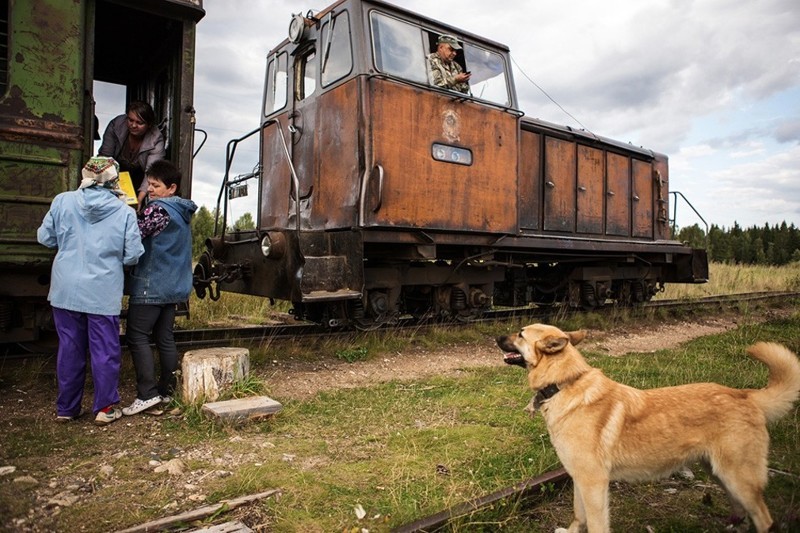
[[52, 54]]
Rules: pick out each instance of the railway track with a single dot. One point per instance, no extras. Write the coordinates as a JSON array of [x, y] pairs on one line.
[[528, 489], [256, 334]]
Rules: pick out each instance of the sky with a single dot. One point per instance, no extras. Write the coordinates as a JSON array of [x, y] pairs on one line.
[[713, 84]]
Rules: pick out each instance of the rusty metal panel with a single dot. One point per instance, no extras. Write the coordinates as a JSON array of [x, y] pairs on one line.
[[334, 202], [661, 167], [46, 67], [530, 179], [591, 187], [559, 185], [304, 156], [419, 191], [618, 194], [276, 179], [642, 199]]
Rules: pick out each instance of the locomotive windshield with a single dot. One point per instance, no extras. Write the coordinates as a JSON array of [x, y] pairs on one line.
[[400, 49]]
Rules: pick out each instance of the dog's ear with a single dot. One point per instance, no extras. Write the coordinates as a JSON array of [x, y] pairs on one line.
[[550, 344], [576, 336]]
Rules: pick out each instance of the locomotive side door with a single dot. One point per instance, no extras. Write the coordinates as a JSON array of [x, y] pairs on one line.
[[302, 127]]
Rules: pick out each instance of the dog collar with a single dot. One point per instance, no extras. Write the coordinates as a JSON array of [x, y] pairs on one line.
[[549, 391]]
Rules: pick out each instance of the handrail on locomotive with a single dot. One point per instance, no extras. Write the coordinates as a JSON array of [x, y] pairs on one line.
[[205, 274]]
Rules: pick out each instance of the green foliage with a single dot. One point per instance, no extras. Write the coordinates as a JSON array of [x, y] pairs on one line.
[[767, 245], [202, 228], [242, 388], [244, 223], [351, 355]]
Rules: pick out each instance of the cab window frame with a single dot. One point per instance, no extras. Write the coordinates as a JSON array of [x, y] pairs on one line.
[[306, 70], [487, 61], [276, 64], [341, 47]]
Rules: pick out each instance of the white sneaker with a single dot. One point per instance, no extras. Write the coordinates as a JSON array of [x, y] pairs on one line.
[[140, 405], [104, 419]]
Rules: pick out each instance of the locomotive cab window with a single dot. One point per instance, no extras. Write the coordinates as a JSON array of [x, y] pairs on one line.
[[277, 83], [397, 47], [337, 54], [305, 75], [401, 49], [488, 81]]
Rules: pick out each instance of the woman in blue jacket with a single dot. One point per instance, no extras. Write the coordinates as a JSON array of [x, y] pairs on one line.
[[161, 280], [95, 234]]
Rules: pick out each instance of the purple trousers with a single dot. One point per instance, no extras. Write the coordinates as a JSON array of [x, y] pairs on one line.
[[77, 333]]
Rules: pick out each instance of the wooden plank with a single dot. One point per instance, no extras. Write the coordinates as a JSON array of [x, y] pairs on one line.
[[197, 514], [228, 527], [243, 408]]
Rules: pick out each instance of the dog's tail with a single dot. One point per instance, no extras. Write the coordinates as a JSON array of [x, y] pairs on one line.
[[783, 387]]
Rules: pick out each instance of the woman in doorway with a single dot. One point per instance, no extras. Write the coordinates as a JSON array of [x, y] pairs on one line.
[[133, 139]]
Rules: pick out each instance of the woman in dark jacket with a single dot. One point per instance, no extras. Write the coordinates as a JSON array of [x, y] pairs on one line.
[[133, 139]]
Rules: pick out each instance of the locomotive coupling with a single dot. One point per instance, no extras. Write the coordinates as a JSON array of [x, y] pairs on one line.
[[208, 274]]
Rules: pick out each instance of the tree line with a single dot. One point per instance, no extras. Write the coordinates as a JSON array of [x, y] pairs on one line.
[[203, 223], [768, 245]]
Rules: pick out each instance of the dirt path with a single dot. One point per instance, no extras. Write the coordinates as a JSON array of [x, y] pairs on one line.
[[299, 381]]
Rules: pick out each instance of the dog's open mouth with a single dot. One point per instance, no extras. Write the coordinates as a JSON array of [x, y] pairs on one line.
[[514, 358]]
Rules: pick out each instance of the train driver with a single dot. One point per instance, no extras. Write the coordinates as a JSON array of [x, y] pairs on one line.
[[443, 70]]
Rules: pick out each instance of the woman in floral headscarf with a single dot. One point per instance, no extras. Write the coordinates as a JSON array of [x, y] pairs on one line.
[[95, 234]]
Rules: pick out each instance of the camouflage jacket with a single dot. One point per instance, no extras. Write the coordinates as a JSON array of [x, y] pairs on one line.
[[443, 74]]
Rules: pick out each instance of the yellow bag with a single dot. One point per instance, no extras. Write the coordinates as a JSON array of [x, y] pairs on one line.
[[126, 184]]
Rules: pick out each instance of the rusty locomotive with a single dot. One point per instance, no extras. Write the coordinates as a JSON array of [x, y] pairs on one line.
[[52, 53], [381, 194]]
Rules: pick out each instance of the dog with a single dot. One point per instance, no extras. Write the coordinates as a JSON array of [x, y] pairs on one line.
[[603, 430]]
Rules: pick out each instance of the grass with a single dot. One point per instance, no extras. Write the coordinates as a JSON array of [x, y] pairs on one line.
[[231, 309], [731, 279], [401, 450]]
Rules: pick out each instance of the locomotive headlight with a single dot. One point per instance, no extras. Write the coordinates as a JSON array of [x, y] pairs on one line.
[[273, 245], [297, 27], [451, 154], [266, 245]]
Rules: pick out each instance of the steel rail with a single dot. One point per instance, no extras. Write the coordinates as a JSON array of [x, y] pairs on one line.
[[257, 334], [523, 490]]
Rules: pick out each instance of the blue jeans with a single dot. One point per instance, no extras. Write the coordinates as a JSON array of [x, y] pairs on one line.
[[77, 333], [143, 321]]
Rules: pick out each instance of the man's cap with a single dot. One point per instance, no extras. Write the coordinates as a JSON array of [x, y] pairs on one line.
[[449, 39]]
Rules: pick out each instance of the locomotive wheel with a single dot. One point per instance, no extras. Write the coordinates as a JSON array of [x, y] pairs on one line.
[[202, 271], [589, 298]]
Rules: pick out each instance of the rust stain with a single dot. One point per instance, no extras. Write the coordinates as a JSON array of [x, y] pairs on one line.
[[451, 125]]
